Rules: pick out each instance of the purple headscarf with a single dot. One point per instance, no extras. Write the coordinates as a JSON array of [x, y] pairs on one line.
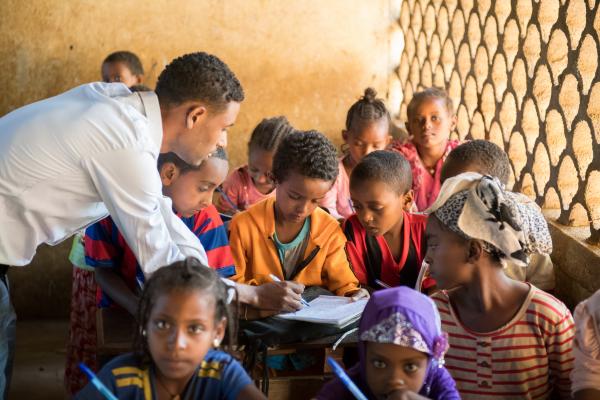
[[405, 317]]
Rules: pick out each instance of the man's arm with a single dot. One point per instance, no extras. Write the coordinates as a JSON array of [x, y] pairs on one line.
[[129, 185]]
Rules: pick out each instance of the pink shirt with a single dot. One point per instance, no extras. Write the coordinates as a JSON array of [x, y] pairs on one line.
[[337, 200], [425, 185], [240, 190]]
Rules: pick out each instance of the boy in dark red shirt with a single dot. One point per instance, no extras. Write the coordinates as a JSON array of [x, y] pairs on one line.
[[385, 241]]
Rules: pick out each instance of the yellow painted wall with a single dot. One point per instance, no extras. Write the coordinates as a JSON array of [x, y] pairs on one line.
[[306, 59]]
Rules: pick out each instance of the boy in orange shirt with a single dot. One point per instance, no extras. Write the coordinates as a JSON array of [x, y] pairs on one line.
[[289, 236]]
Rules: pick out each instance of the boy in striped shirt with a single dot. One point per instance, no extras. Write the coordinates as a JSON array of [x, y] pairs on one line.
[[191, 189], [508, 339]]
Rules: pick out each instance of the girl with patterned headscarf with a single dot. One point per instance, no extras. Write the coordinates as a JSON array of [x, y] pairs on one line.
[[401, 351], [508, 339]]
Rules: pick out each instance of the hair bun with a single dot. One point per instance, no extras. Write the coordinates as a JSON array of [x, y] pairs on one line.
[[370, 95]]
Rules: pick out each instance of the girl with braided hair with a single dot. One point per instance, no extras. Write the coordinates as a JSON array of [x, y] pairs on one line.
[[253, 182], [183, 317], [367, 130]]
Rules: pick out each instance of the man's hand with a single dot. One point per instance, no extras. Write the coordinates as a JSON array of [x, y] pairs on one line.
[[275, 296]]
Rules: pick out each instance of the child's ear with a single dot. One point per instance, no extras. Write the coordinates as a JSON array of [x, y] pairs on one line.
[[345, 135], [409, 198], [475, 251], [194, 115], [453, 122], [220, 329], [168, 173]]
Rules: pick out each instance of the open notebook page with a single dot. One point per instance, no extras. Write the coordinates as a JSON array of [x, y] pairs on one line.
[[332, 310]]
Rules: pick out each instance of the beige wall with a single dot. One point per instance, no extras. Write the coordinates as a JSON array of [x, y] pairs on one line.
[[306, 59]]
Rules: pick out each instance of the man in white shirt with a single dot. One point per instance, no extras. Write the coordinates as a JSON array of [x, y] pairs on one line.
[[70, 160]]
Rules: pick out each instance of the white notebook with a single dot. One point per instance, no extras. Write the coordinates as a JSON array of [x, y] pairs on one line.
[[332, 310]]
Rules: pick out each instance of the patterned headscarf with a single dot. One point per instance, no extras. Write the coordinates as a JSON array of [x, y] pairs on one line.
[[404, 317], [478, 207]]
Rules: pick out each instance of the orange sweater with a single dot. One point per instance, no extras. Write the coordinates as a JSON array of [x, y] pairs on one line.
[[256, 256]]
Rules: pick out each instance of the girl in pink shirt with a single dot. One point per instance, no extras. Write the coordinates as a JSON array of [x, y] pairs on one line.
[[431, 119], [253, 182], [367, 130]]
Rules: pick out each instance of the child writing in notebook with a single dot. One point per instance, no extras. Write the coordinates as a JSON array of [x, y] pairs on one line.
[[401, 350], [289, 236], [488, 158], [508, 339], [182, 319], [253, 182], [367, 130], [118, 274], [430, 121], [385, 241], [123, 66]]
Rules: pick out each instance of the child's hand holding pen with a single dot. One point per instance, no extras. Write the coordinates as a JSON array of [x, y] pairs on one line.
[[276, 279], [279, 296]]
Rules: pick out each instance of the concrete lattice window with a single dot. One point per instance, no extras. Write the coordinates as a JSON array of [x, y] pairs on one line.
[[523, 74]]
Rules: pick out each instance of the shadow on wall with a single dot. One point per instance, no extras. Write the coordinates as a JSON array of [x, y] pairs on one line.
[[42, 289]]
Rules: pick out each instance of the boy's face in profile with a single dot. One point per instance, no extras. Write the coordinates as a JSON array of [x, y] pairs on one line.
[[193, 191], [200, 131], [298, 196], [378, 207], [119, 72]]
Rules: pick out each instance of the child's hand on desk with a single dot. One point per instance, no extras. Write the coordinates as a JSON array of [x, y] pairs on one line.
[[280, 296], [361, 294]]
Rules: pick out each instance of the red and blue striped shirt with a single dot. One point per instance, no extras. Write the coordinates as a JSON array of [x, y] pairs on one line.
[[105, 247]]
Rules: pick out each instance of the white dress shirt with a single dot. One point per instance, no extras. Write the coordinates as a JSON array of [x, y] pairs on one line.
[[70, 160]]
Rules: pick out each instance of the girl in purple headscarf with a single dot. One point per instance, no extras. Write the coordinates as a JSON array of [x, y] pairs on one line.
[[401, 351]]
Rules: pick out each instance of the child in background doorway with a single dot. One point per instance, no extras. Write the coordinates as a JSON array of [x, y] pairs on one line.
[[367, 130], [401, 350], [253, 182], [488, 158], [385, 241], [431, 120], [123, 66], [508, 339], [182, 319]]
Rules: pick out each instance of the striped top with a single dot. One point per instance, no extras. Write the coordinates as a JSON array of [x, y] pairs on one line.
[[105, 247], [218, 377], [528, 358]]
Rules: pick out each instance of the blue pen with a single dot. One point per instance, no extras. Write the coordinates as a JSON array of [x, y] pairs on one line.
[[276, 279], [351, 386], [97, 383], [227, 199]]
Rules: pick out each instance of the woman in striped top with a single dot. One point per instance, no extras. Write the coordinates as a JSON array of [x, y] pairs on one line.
[[508, 339]]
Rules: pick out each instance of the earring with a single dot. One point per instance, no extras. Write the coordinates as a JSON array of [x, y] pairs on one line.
[[143, 332], [216, 343]]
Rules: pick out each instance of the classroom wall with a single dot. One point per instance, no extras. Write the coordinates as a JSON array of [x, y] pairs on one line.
[[523, 74], [306, 59]]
